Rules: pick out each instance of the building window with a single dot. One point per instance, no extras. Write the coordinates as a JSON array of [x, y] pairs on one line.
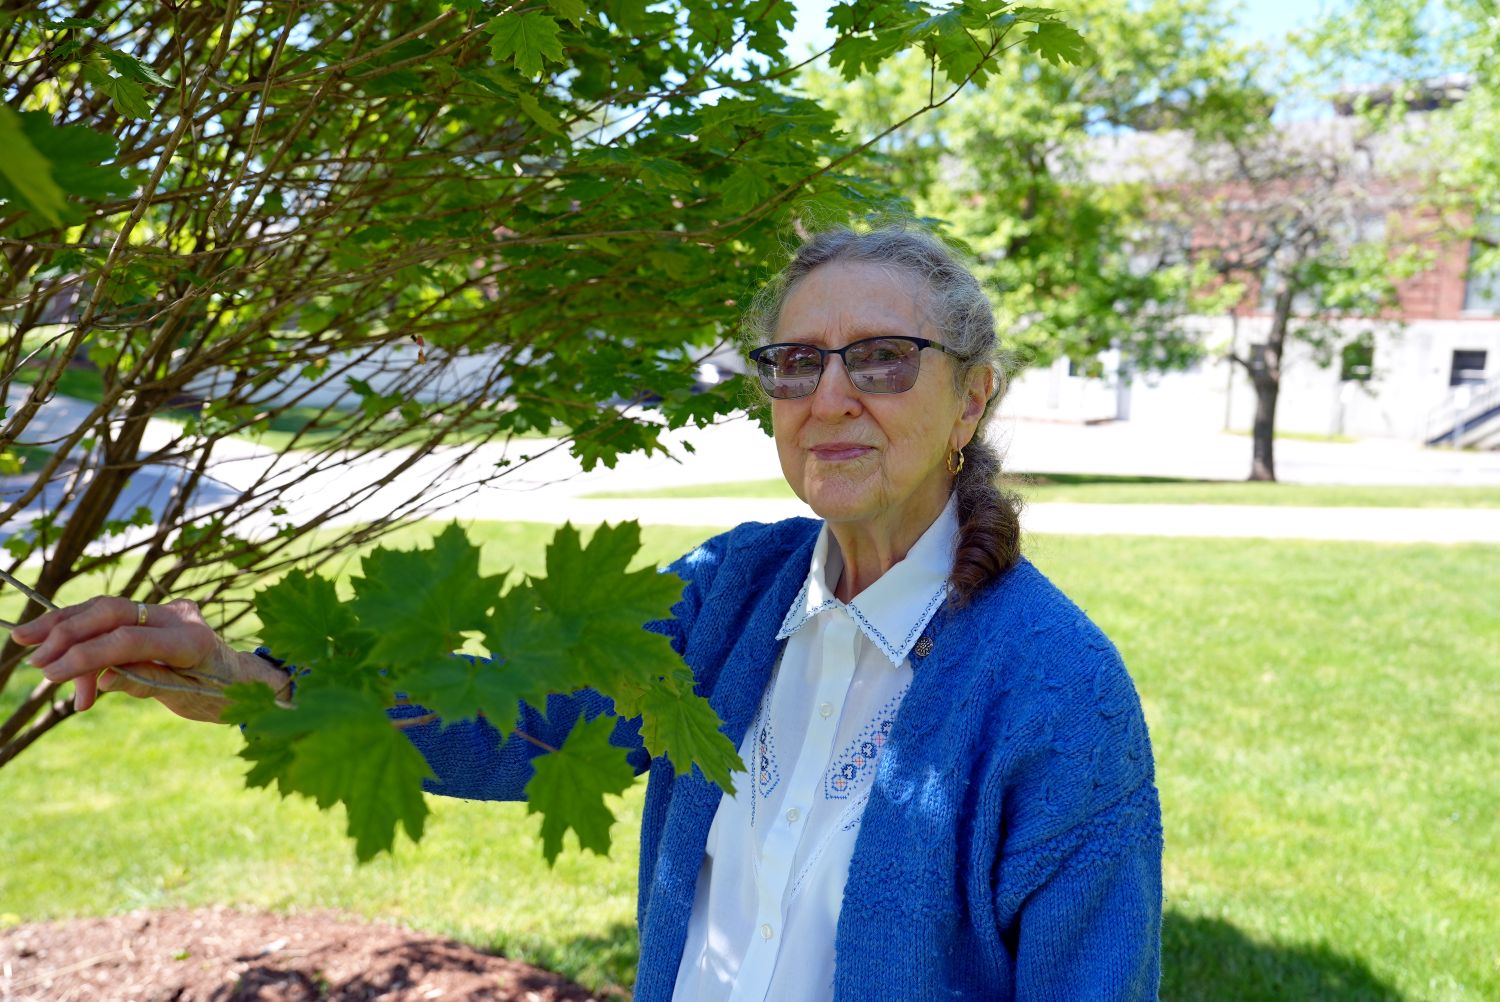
[[1357, 360], [1468, 368], [1482, 286]]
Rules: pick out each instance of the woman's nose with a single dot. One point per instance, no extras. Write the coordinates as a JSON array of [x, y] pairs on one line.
[[836, 394]]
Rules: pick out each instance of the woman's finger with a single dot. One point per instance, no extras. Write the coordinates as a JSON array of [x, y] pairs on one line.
[[81, 622], [34, 631], [135, 679], [178, 647], [86, 688], [85, 691]]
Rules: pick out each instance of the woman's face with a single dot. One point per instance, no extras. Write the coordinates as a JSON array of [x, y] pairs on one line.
[[872, 458]]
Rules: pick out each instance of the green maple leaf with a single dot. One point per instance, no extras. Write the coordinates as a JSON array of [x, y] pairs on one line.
[[126, 94], [303, 620], [770, 22], [336, 747], [534, 654], [374, 771], [269, 754], [597, 608], [25, 175], [745, 189], [664, 175], [957, 52], [541, 116], [681, 725], [855, 56], [127, 65], [570, 784], [533, 658], [572, 10], [625, 664], [423, 600], [71, 155], [1058, 43], [526, 40], [597, 578]]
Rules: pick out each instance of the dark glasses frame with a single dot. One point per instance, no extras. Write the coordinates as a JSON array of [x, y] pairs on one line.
[[778, 387]]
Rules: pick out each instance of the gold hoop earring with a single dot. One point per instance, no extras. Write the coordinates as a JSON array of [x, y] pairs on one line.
[[958, 467]]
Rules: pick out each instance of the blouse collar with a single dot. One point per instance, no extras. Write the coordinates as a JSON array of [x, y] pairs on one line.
[[894, 610]]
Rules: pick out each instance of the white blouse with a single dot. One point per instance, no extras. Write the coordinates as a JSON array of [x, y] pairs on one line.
[[772, 881]]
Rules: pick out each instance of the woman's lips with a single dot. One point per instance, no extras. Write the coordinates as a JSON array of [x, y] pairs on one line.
[[833, 452]]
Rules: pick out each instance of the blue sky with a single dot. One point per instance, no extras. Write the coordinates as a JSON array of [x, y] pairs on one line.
[[1263, 19]]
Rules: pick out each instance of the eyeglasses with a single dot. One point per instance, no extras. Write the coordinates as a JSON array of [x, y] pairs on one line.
[[875, 365]]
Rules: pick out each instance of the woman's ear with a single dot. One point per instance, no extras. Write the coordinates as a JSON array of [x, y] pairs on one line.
[[978, 389]]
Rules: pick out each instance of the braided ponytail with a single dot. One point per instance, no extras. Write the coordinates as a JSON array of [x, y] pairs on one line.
[[989, 521]]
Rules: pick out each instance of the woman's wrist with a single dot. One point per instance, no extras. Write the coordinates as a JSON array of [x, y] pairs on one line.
[[255, 666], [282, 679]]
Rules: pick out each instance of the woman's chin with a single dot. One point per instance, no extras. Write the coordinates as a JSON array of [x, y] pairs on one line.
[[841, 505]]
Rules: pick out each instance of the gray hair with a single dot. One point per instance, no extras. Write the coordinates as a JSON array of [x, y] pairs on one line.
[[955, 306], [954, 302]]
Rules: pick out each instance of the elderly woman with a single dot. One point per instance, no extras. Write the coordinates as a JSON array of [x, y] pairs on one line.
[[950, 790]]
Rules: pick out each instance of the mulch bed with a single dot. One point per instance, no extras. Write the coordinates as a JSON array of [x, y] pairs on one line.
[[226, 955]]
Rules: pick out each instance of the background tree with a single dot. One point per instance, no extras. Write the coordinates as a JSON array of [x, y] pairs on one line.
[[1111, 204], [1072, 241], [1437, 56], [403, 234], [1299, 221]]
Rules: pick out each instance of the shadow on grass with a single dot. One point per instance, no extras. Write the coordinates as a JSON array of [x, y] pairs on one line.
[[1075, 479], [1209, 960], [606, 961], [1203, 960]]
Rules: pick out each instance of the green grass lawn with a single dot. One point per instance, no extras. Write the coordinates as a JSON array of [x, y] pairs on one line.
[[1322, 714], [1103, 489]]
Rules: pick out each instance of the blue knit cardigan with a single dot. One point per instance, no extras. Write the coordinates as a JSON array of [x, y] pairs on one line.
[[1011, 846]]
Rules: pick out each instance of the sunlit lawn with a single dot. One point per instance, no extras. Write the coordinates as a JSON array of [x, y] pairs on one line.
[[1105, 489], [1324, 723]]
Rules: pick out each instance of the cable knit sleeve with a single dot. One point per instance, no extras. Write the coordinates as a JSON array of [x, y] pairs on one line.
[[1079, 879], [1092, 926]]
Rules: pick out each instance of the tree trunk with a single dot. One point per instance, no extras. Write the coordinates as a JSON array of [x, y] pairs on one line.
[[84, 524], [1263, 453], [1265, 373]]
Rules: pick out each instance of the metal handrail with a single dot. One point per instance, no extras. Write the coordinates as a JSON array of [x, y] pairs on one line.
[[1446, 421]]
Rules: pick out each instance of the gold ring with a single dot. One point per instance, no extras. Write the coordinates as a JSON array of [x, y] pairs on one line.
[[140, 614]]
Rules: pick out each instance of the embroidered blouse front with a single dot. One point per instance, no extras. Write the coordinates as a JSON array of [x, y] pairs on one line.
[[772, 879]]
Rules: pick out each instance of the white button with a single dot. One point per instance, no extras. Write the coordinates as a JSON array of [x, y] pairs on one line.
[[826, 710], [792, 816], [766, 932]]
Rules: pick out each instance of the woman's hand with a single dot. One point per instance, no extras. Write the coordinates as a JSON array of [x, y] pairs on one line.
[[166, 652]]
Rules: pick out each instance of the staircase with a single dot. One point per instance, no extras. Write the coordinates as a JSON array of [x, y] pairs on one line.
[[1475, 424]]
